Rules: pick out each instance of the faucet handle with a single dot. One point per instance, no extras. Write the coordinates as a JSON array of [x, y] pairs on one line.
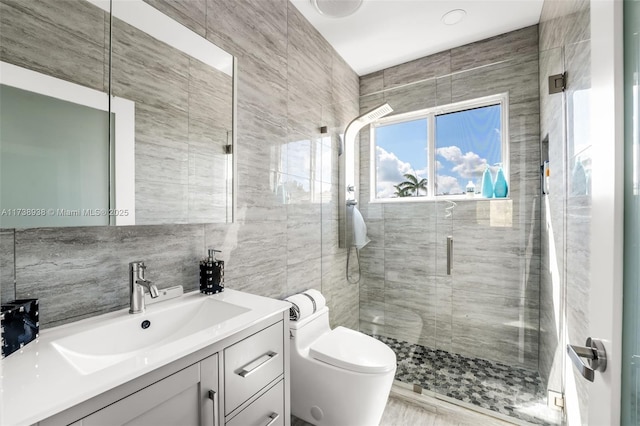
[[138, 268]]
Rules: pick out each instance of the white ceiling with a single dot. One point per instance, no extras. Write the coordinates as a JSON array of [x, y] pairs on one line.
[[384, 33]]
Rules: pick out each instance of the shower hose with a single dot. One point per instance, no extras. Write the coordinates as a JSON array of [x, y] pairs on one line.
[[350, 279]]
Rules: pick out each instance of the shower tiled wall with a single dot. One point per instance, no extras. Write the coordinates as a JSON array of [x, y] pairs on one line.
[[290, 83], [488, 308]]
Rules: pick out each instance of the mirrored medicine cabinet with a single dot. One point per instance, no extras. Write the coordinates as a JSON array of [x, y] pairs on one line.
[[112, 113]]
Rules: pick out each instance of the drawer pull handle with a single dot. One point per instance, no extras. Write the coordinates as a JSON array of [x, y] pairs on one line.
[[272, 419], [213, 397], [255, 365]]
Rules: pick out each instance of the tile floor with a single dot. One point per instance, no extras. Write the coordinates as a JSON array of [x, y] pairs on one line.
[[401, 411], [511, 391]]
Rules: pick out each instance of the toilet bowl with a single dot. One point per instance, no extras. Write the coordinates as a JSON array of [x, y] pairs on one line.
[[339, 377]]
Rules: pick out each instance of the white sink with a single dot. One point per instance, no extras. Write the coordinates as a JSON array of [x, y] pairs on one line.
[[127, 335]]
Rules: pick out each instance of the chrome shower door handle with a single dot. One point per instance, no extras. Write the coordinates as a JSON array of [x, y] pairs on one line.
[[272, 419], [595, 355], [449, 254]]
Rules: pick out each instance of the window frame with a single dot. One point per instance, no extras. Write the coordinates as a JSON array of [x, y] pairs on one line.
[[430, 114]]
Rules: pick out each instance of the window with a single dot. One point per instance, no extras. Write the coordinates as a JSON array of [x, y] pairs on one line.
[[438, 151]]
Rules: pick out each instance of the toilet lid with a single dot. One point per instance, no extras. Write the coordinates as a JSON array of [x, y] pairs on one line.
[[352, 350]]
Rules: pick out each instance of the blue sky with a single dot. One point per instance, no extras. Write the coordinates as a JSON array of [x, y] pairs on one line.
[[465, 143], [401, 148]]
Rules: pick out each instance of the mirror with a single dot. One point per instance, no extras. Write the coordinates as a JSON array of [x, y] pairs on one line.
[[112, 113]]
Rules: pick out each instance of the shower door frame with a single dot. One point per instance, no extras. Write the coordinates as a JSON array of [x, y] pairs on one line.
[[607, 135]]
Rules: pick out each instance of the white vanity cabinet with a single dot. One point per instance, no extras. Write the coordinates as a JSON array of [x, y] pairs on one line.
[[180, 399], [241, 381]]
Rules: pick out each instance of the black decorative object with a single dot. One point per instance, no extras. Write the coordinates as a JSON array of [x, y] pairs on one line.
[[211, 274], [20, 324]]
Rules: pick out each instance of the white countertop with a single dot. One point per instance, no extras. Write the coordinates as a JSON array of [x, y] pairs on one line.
[[37, 382]]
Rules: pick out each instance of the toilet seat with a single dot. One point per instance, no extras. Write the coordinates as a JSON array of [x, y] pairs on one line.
[[354, 351]]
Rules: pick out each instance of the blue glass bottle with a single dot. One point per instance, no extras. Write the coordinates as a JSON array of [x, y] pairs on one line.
[[487, 184], [500, 187], [578, 179]]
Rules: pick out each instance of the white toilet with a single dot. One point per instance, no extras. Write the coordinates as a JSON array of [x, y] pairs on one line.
[[339, 377]]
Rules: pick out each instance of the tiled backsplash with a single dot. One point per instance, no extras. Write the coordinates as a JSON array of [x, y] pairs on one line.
[[7, 269]]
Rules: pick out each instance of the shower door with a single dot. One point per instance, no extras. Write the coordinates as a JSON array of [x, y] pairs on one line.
[[487, 254], [487, 313]]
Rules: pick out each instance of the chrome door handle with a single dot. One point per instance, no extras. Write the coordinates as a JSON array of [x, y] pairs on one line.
[[595, 355], [255, 365], [449, 254], [272, 419]]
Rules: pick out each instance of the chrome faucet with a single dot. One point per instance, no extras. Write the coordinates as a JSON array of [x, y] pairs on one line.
[[137, 284]]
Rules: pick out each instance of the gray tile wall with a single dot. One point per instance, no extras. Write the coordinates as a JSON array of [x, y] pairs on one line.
[[489, 307], [564, 275], [183, 113], [290, 83], [7, 270]]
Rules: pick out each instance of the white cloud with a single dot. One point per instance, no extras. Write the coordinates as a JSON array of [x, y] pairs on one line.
[[450, 153], [447, 185], [390, 167], [468, 165], [391, 171], [421, 172]]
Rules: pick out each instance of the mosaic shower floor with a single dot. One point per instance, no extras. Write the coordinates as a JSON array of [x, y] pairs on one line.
[[512, 391]]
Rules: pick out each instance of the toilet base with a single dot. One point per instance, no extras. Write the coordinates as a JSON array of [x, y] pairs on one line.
[[328, 396]]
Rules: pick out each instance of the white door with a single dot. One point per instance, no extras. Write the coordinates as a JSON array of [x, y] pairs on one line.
[[607, 214]]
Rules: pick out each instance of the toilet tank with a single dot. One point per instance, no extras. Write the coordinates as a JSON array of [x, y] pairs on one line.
[[307, 330]]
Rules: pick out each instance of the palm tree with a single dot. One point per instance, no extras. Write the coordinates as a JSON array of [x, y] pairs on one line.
[[401, 191], [411, 186]]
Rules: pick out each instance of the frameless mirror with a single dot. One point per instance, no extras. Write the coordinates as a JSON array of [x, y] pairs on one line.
[[111, 113]]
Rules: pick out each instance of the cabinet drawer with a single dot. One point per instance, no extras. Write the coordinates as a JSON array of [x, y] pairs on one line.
[[251, 364], [266, 410]]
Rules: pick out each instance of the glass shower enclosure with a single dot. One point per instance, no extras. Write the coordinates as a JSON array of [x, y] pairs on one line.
[[452, 282]]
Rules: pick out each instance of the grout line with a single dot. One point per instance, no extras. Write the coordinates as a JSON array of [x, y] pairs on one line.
[[451, 74]]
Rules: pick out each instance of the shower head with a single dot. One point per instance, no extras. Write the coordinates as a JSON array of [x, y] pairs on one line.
[[376, 113], [359, 122]]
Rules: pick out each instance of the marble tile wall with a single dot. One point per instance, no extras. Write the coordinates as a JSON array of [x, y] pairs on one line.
[[28, 39], [489, 307], [290, 83], [183, 113], [564, 275], [7, 270]]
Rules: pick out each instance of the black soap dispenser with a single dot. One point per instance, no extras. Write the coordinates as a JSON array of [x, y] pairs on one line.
[[211, 274]]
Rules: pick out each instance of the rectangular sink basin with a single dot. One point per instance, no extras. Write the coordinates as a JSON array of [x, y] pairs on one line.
[[128, 335]]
